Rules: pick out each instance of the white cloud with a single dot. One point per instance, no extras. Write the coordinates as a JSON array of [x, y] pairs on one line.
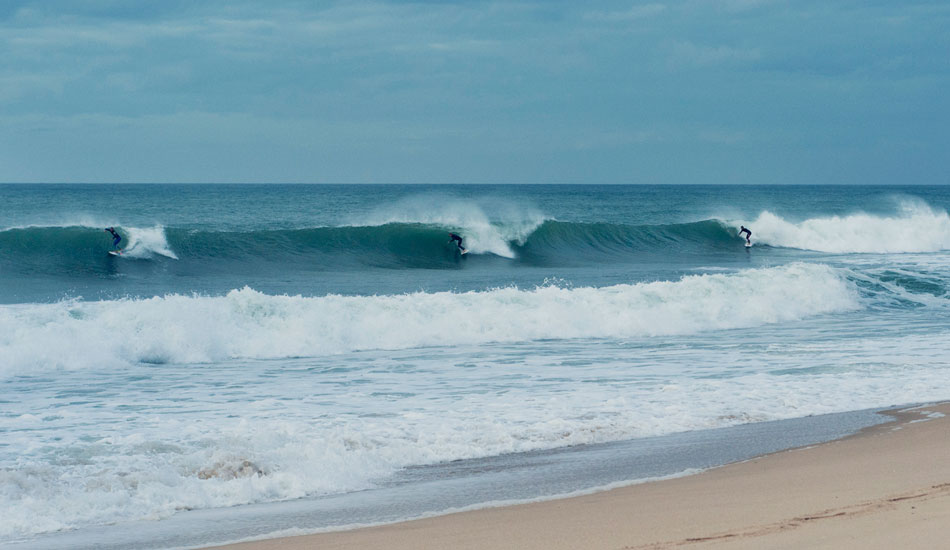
[[722, 136], [636, 12], [736, 5], [688, 53], [471, 46], [16, 86], [348, 81]]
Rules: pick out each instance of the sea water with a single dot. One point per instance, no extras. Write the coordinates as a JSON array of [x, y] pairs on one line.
[[297, 352]]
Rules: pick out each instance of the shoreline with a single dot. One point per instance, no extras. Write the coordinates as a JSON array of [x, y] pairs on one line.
[[445, 488], [889, 480]]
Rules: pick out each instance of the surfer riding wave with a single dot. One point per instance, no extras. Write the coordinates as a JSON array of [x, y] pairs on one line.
[[117, 237], [748, 237], [458, 241]]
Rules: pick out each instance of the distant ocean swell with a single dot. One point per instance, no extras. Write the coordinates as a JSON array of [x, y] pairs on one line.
[[251, 325]]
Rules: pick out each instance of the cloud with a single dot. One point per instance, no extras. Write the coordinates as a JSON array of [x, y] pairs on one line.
[[735, 5], [14, 87], [722, 136], [688, 53], [636, 12], [553, 88]]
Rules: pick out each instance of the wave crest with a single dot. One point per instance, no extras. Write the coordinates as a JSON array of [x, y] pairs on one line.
[[509, 224]]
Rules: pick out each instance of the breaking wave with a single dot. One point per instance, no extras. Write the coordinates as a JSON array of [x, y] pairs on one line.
[[916, 227], [250, 325], [414, 240]]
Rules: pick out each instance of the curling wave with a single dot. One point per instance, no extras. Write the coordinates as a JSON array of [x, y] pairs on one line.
[[383, 243], [394, 245]]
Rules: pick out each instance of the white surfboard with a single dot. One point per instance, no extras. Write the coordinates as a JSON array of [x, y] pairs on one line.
[[748, 244], [115, 252]]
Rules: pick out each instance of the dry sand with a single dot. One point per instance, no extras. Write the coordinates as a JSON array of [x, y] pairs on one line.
[[885, 488]]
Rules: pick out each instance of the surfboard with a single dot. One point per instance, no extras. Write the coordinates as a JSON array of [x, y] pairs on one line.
[[748, 244], [464, 251], [115, 252]]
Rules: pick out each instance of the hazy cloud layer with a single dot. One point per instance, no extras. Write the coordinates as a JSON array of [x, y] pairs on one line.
[[729, 91]]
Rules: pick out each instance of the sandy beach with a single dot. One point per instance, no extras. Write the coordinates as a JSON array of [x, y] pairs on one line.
[[886, 487]]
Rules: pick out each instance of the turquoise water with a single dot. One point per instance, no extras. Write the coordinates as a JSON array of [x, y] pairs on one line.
[[315, 240], [260, 344]]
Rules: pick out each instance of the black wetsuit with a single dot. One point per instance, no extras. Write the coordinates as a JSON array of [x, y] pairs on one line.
[[115, 242], [748, 237], [457, 239]]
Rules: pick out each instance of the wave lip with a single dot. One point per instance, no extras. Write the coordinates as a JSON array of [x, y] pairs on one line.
[[915, 228], [509, 224], [251, 325]]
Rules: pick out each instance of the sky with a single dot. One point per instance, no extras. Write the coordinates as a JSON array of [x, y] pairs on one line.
[[657, 92]]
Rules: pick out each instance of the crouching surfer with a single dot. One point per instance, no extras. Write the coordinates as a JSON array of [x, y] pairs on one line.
[[458, 241], [116, 238], [748, 235]]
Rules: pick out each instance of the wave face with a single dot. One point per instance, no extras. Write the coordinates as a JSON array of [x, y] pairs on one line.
[[250, 325], [590, 241], [393, 245], [915, 228], [75, 250], [413, 240], [425, 244]]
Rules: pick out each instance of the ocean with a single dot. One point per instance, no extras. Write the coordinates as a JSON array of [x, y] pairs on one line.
[[278, 359]]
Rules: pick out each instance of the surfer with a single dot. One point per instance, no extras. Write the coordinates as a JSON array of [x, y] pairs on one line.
[[748, 237], [115, 241], [458, 241]]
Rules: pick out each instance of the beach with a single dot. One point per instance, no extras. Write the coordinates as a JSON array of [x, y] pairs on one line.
[[885, 487]]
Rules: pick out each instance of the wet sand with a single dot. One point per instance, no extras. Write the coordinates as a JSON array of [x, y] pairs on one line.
[[886, 487]]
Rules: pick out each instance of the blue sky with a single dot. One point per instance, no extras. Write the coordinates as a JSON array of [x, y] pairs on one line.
[[727, 91]]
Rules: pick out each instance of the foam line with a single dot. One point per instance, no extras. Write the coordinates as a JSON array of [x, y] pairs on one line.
[[248, 324]]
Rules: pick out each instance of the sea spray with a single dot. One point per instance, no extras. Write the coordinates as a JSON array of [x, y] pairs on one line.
[[144, 242]]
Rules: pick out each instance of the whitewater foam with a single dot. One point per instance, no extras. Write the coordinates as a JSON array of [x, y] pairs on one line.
[[149, 454], [915, 228], [248, 324]]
